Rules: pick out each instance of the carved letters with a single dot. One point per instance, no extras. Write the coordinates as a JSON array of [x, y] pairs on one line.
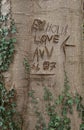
[[46, 39], [49, 65], [38, 25], [56, 29], [46, 66], [41, 25], [40, 53], [35, 67], [49, 54], [36, 54]]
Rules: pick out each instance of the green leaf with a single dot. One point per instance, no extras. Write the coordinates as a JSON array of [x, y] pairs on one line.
[[13, 30], [5, 127], [64, 111], [51, 129], [70, 101], [82, 127], [14, 40], [1, 123], [2, 108], [47, 95]]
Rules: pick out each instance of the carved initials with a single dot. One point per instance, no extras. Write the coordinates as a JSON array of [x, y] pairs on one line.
[[52, 65], [49, 65], [38, 25], [46, 65], [36, 54], [41, 53], [49, 54], [35, 67]]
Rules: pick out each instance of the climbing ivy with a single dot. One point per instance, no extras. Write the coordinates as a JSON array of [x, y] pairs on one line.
[[9, 118], [6, 43], [58, 118], [8, 113], [26, 65]]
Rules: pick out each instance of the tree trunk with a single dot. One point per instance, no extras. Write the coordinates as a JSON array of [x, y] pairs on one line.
[[49, 36]]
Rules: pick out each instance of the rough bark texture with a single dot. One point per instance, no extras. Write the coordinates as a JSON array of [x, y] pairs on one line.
[[60, 21]]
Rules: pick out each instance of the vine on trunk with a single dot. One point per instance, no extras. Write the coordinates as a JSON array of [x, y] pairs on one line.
[[9, 117], [58, 118]]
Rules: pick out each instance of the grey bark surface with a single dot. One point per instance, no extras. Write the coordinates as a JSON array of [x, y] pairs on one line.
[[63, 18]]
